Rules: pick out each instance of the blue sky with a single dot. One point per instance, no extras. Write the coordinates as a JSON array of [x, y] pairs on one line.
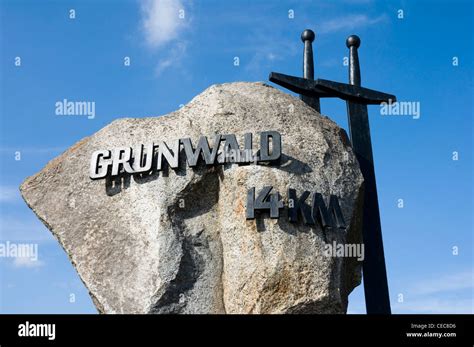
[[173, 59]]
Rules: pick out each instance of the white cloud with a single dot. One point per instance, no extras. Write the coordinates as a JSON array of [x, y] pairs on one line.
[[435, 306], [449, 293], [444, 294], [163, 24], [9, 194], [348, 23], [447, 283], [27, 262], [172, 56], [32, 150], [267, 47], [161, 21], [16, 228]]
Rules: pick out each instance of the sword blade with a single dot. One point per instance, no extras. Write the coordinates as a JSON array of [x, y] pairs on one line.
[[375, 273]]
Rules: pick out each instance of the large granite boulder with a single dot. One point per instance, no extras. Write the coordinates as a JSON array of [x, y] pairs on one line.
[[178, 241]]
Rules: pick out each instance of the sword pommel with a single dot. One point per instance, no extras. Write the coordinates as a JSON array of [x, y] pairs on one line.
[[308, 35], [353, 41]]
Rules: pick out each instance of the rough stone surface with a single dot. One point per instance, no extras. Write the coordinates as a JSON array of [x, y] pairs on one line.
[[138, 251]]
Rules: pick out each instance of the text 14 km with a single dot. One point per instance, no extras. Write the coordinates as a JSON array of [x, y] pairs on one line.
[[326, 215]]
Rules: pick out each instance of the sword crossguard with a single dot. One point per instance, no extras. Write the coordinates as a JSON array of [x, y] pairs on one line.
[[330, 89]]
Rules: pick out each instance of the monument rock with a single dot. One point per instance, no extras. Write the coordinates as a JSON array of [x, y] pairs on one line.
[[178, 241]]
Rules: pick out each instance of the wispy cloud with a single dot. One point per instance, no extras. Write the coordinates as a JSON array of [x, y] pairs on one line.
[[350, 22], [27, 262], [450, 293], [13, 228], [262, 58], [172, 56], [435, 306], [32, 150], [9, 194], [163, 23], [447, 283], [267, 46]]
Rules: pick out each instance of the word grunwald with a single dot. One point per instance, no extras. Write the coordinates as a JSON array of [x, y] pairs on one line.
[[115, 161]]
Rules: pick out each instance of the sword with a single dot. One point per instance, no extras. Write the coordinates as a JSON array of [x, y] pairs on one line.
[[357, 98], [375, 275]]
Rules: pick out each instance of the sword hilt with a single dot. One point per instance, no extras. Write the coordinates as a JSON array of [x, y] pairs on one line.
[[308, 37], [353, 43]]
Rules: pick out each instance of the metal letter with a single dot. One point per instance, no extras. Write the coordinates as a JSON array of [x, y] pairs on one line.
[[121, 156], [299, 205], [142, 160], [99, 168], [264, 201], [171, 157], [250, 203], [336, 212], [231, 151], [320, 212], [264, 146], [248, 151], [203, 148]]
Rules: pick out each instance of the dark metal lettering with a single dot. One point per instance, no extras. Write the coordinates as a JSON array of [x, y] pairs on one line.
[[298, 206], [264, 202], [336, 212], [265, 153], [146, 157], [320, 212], [202, 150]]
